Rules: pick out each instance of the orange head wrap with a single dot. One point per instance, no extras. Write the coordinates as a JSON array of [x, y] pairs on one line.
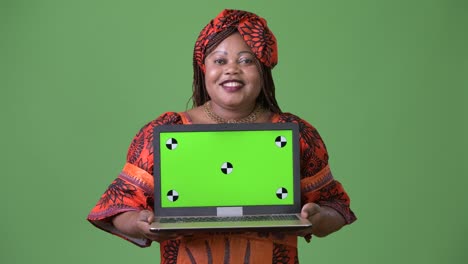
[[252, 28]]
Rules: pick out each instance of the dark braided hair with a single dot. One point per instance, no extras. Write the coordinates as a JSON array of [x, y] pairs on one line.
[[200, 96]]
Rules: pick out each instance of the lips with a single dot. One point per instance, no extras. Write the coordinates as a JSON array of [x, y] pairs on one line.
[[232, 85]]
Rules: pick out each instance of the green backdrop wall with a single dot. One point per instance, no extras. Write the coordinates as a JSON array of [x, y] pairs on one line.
[[385, 83]]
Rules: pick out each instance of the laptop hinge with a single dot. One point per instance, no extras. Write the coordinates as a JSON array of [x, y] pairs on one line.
[[229, 211]]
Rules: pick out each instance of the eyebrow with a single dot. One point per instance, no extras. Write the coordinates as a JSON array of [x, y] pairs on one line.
[[249, 52], [225, 53]]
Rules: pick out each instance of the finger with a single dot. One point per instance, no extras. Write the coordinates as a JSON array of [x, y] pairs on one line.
[[304, 232], [145, 216], [307, 210], [150, 218]]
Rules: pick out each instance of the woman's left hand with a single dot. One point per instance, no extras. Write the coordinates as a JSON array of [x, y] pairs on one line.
[[325, 220], [311, 211]]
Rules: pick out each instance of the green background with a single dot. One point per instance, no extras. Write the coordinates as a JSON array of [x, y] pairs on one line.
[[385, 83], [255, 157]]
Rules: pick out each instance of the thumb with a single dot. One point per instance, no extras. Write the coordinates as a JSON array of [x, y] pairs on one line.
[[146, 216], [305, 211], [309, 210], [150, 218]]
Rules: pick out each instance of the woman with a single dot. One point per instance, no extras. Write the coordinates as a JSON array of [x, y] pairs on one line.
[[233, 58]]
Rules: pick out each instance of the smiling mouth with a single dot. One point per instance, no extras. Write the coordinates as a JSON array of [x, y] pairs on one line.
[[232, 84]]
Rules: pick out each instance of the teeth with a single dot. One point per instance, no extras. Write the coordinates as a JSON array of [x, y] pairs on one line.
[[232, 84]]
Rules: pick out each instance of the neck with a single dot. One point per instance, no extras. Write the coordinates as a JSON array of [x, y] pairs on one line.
[[227, 115]]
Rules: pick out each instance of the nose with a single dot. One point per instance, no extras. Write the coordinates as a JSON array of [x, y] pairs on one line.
[[231, 68]]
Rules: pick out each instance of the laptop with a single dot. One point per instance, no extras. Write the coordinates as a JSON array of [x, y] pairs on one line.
[[227, 177]]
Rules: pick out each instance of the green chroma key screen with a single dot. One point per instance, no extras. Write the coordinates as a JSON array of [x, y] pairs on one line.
[[226, 168]]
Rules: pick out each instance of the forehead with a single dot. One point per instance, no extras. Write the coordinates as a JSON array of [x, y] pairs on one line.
[[234, 43]]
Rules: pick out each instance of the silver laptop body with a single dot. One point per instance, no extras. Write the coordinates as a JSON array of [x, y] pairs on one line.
[[227, 177]]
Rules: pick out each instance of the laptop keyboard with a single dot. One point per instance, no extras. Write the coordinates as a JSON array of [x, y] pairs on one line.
[[228, 218]]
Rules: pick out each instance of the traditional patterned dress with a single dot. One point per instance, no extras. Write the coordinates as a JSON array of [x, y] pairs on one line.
[[132, 190]]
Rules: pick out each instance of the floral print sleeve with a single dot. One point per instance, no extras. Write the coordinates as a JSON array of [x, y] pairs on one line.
[[317, 182], [132, 190]]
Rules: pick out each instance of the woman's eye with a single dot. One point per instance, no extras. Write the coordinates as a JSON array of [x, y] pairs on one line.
[[219, 61], [246, 61]]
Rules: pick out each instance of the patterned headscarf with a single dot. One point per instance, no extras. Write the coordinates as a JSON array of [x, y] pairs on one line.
[[252, 28]]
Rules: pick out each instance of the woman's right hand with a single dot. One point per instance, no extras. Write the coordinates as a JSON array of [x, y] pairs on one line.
[[137, 224]]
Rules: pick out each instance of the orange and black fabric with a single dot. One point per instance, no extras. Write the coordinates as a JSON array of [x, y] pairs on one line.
[[132, 190], [252, 28]]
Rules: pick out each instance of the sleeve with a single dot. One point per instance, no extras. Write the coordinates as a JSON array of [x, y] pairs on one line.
[[317, 182], [133, 189]]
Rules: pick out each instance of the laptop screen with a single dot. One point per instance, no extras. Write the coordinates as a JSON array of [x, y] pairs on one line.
[[199, 168], [226, 168]]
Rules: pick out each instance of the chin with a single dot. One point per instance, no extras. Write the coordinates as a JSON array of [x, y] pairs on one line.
[[234, 103]]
